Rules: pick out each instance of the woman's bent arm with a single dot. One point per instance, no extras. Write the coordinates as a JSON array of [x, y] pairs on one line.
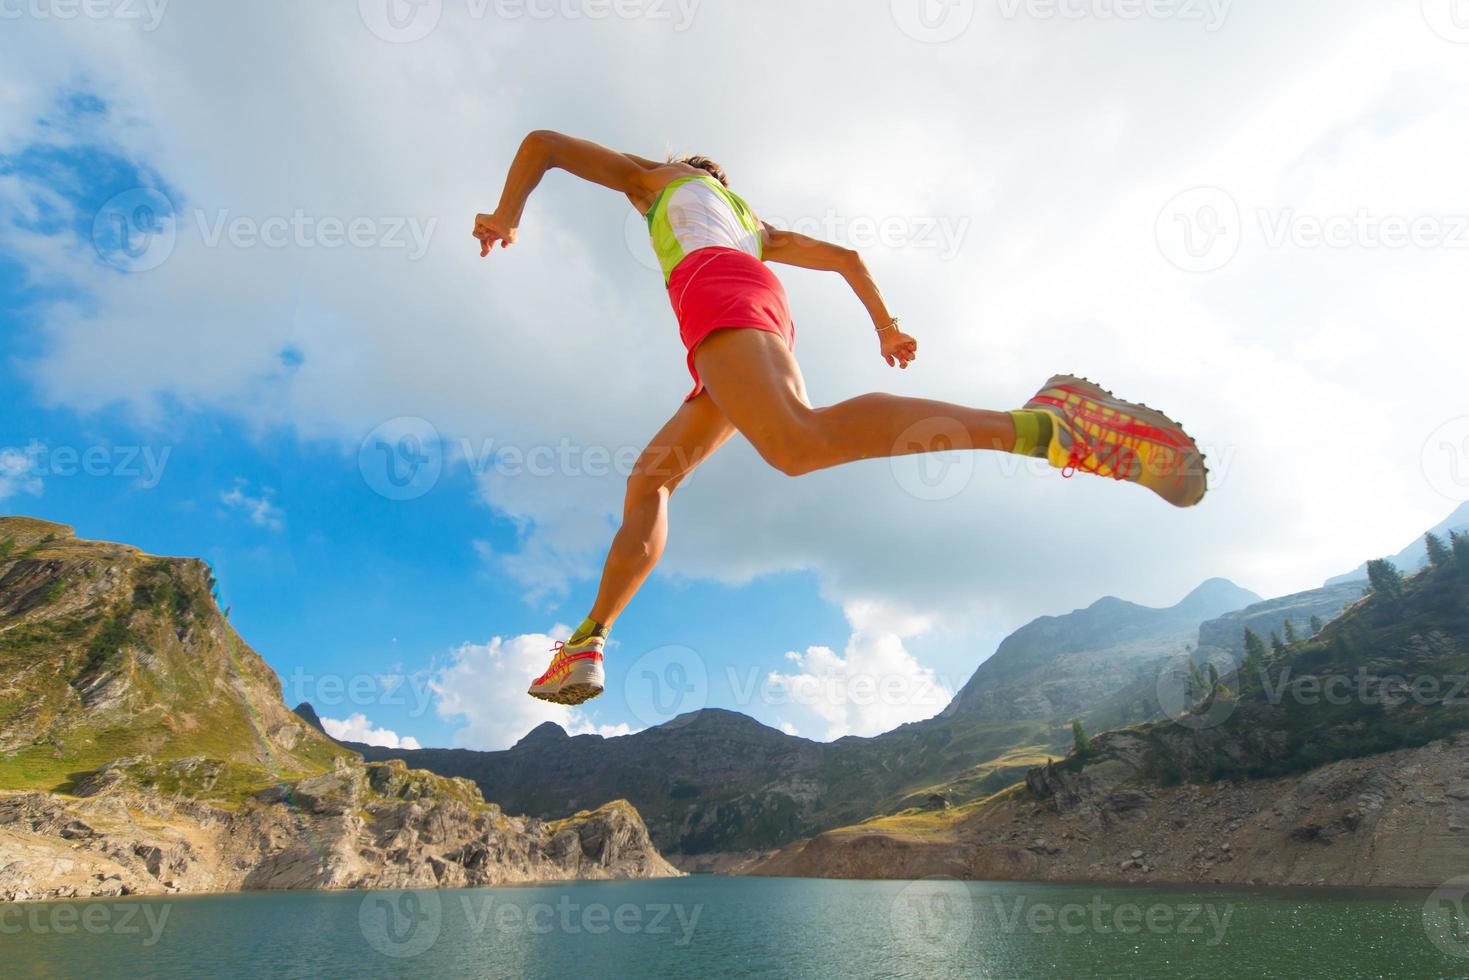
[[545, 150]]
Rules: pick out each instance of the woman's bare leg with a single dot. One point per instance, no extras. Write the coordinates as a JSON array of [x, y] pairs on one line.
[[755, 381], [695, 431]]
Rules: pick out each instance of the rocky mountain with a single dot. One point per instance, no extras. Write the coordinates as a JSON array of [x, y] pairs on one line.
[[717, 787], [1412, 557], [144, 747], [1391, 820], [1341, 759], [1059, 666]]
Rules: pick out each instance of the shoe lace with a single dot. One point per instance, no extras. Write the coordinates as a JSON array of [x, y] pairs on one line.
[[1119, 456]]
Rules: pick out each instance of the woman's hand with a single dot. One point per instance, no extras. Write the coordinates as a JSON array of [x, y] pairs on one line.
[[898, 349], [490, 229]]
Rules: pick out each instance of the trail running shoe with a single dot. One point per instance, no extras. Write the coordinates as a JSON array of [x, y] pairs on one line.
[[1096, 432], [575, 674]]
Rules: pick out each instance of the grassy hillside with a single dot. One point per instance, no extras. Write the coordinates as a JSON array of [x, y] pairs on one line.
[[1392, 672], [107, 653], [719, 781]]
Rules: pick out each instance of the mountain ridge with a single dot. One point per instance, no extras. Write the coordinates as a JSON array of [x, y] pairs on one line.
[[717, 781], [145, 749]]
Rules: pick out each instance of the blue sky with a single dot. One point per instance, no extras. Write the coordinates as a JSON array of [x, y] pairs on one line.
[[184, 298]]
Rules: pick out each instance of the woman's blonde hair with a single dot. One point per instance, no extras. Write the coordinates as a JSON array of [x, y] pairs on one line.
[[703, 163]]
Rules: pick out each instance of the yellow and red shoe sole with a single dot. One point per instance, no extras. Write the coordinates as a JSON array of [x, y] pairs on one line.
[[1158, 455], [574, 679]]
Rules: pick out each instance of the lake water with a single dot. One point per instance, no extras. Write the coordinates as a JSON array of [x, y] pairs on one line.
[[709, 927]]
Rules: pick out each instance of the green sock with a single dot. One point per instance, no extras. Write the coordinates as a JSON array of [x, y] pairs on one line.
[[589, 627], [1032, 432]]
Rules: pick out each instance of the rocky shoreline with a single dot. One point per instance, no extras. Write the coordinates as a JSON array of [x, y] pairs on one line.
[[1399, 819], [377, 826]]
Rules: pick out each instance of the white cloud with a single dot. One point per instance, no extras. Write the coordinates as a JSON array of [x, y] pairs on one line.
[[17, 474], [1288, 362], [482, 689], [356, 728], [873, 686], [260, 509]]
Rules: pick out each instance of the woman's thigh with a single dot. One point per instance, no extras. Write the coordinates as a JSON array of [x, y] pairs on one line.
[[696, 430], [755, 381]]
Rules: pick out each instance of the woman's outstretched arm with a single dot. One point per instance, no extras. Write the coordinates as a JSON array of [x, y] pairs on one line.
[[544, 150], [793, 248]]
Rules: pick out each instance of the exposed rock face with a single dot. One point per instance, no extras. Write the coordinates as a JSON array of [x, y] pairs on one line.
[[1064, 665], [718, 788], [379, 826], [107, 651], [1274, 781], [1394, 820], [123, 687]]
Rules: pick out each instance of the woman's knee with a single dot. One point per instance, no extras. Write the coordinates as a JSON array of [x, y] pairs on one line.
[[643, 487], [793, 448]]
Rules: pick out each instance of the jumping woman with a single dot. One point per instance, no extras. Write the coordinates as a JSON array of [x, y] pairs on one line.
[[735, 322]]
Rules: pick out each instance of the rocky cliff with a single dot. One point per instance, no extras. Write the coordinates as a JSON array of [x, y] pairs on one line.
[[718, 788], [1398, 819], [1341, 758], [144, 748]]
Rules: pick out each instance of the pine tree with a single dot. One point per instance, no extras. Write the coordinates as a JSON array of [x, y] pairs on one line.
[[1439, 554], [1460, 544], [1196, 686], [1254, 663], [1291, 639], [1080, 744], [1385, 579], [1317, 625], [1277, 648]]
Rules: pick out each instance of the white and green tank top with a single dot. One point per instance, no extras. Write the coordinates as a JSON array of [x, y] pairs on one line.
[[698, 212]]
